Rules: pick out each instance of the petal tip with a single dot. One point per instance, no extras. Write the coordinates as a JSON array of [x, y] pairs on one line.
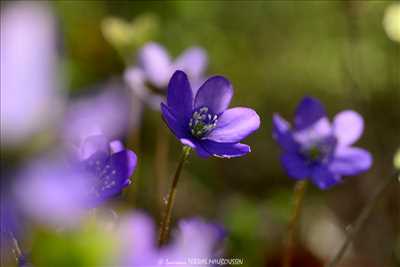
[[215, 93], [308, 111], [310, 100], [179, 72]]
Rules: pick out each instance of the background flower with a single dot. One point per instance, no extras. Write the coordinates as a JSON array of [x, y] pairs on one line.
[[108, 165], [58, 189], [317, 150], [194, 238], [149, 79], [30, 93], [52, 192], [112, 112]]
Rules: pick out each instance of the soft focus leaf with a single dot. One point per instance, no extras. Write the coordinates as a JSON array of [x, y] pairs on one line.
[[127, 36], [88, 246], [243, 221], [397, 160], [391, 21]]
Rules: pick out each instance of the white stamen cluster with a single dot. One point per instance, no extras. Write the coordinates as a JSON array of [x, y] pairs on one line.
[[202, 122], [109, 180]]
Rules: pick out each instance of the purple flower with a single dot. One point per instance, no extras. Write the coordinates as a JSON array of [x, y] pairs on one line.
[[108, 164], [204, 122], [58, 190], [194, 238], [111, 112], [138, 241], [149, 79], [208, 238], [52, 192], [320, 151], [30, 96]]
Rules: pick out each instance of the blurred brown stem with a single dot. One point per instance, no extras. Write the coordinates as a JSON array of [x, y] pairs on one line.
[[362, 218], [299, 192], [164, 226], [161, 161], [134, 143]]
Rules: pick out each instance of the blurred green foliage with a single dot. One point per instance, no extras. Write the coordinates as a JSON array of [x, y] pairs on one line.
[[88, 246], [127, 37]]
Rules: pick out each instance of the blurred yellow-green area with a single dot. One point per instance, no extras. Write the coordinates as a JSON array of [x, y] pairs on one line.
[[274, 53]]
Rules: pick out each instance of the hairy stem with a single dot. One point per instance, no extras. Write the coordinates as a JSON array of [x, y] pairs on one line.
[[299, 192], [16, 248], [164, 226], [362, 218]]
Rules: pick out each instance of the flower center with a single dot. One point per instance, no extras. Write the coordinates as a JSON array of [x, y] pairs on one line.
[[202, 122], [314, 153], [319, 151]]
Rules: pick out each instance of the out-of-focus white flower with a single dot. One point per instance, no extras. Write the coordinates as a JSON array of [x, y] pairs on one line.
[[391, 22], [323, 234], [29, 89]]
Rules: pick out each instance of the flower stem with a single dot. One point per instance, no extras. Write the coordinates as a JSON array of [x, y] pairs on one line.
[[16, 248], [164, 226], [362, 218], [299, 192], [161, 162], [134, 142]]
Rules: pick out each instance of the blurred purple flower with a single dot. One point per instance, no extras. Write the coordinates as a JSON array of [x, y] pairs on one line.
[[149, 79], [204, 123], [137, 234], [193, 239], [320, 151], [112, 113], [52, 192], [109, 165], [30, 97], [58, 190]]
